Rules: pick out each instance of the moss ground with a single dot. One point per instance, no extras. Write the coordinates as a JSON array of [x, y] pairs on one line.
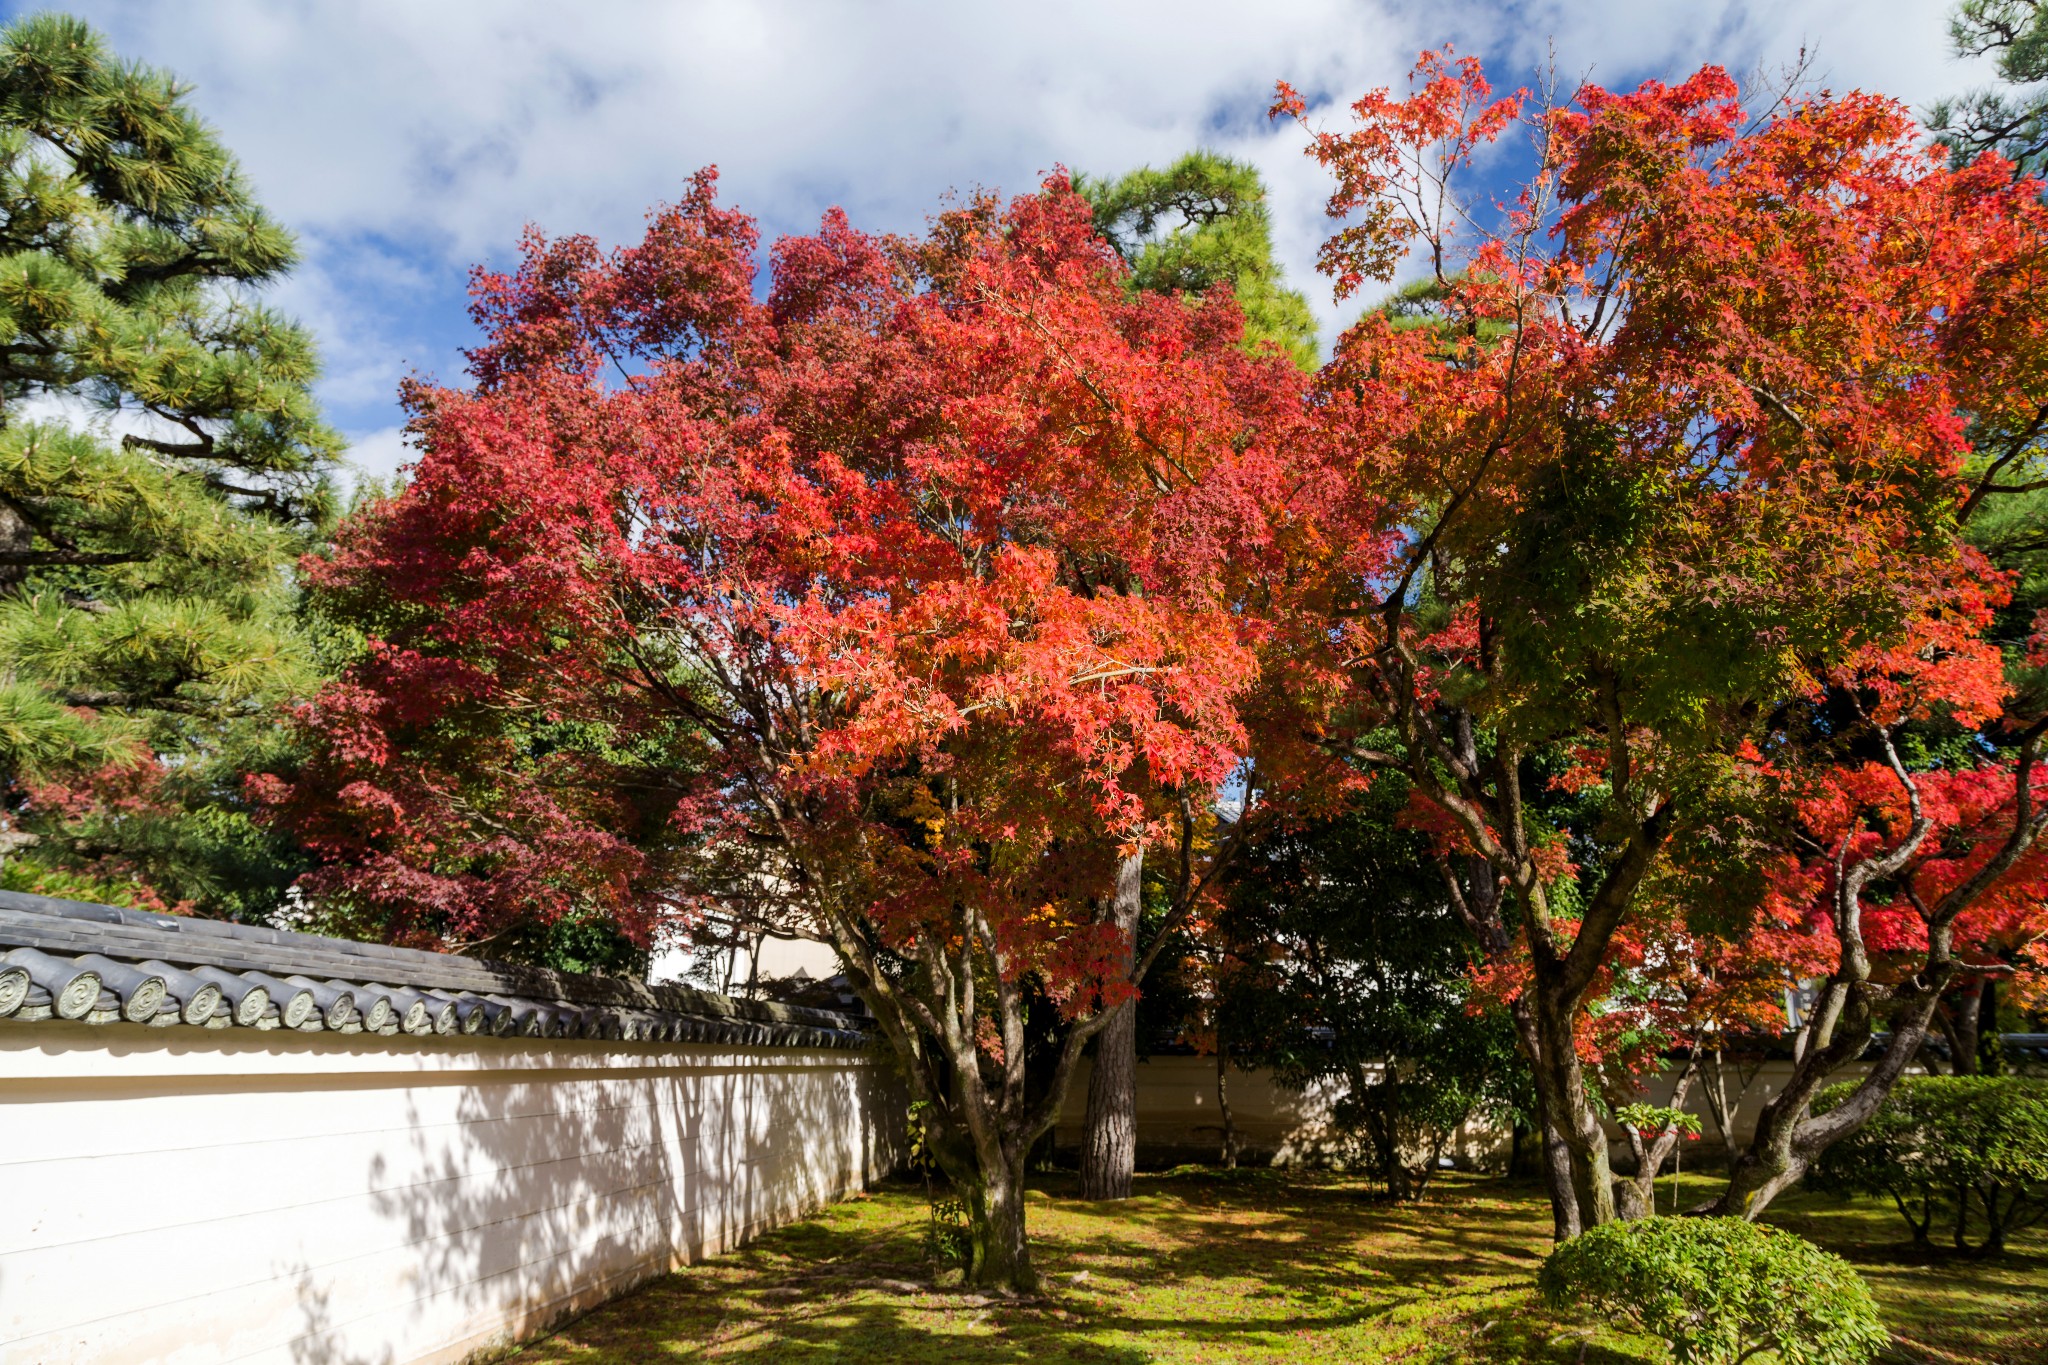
[[1209, 1266]]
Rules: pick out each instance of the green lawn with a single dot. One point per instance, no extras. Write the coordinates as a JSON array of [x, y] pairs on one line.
[[1252, 1265]]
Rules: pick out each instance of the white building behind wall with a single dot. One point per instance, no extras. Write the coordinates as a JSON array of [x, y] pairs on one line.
[[748, 961]]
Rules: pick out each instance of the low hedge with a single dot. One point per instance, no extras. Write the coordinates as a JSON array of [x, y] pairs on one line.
[[1970, 1150], [1719, 1290]]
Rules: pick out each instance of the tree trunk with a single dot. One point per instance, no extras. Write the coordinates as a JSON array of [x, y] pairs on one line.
[[976, 1091], [17, 538], [998, 1258], [1432, 1162], [1990, 1042], [1557, 1158], [1575, 1163], [1223, 1103], [1996, 1219], [1723, 1106], [1638, 1197], [1109, 1147], [1562, 1108], [1592, 1173], [1788, 1138], [1376, 1115], [1575, 1166], [1588, 1185], [1578, 1123], [1923, 1225], [1961, 1019]]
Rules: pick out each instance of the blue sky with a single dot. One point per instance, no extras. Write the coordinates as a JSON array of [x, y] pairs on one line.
[[405, 142]]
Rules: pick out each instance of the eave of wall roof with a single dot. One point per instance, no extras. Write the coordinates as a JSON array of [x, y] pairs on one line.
[[161, 970]]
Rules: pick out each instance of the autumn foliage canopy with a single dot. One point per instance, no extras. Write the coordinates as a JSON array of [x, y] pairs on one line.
[[1678, 454], [899, 598], [869, 594]]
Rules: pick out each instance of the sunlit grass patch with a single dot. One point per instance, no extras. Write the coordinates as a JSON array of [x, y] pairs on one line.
[[1263, 1266]]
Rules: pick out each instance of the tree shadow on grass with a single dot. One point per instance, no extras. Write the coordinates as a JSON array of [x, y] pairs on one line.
[[1316, 1243], [1938, 1304], [1448, 1279], [823, 1291], [1255, 1270]]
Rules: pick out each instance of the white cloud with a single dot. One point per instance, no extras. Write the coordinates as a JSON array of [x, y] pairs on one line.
[[453, 123], [1899, 47], [379, 454], [407, 140]]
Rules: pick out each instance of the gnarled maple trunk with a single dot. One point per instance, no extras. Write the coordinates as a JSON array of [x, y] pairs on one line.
[[1481, 911], [998, 1257], [980, 1119], [1789, 1136], [1557, 1158], [1557, 1182], [1109, 1146], [982, 1143], [1637, 1197], [1549, 1012], [1576, 1168]]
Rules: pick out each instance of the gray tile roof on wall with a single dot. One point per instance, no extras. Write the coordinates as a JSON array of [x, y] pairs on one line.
[[103, 964]]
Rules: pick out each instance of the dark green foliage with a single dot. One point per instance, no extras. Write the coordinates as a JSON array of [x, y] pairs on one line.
[[1429, 304], [1957, 1147], [2012, 121], [1199, 223], [162, 463], [1355, 970], [1719, 1290], [580, 941]]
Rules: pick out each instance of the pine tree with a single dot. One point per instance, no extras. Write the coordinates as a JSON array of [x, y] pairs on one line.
[[162, 459], [2012, 121], [1199, 223]]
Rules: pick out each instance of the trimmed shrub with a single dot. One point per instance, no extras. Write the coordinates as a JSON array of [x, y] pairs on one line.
[[1961, 1147], [1719, 1290]]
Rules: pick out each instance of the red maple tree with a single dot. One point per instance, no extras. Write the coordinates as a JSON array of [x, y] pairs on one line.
[[1675, 450], [1898, 887], [889, 609]]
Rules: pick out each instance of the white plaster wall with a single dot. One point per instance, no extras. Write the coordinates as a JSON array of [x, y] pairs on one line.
[[182, 1196], [1178, 1117]]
